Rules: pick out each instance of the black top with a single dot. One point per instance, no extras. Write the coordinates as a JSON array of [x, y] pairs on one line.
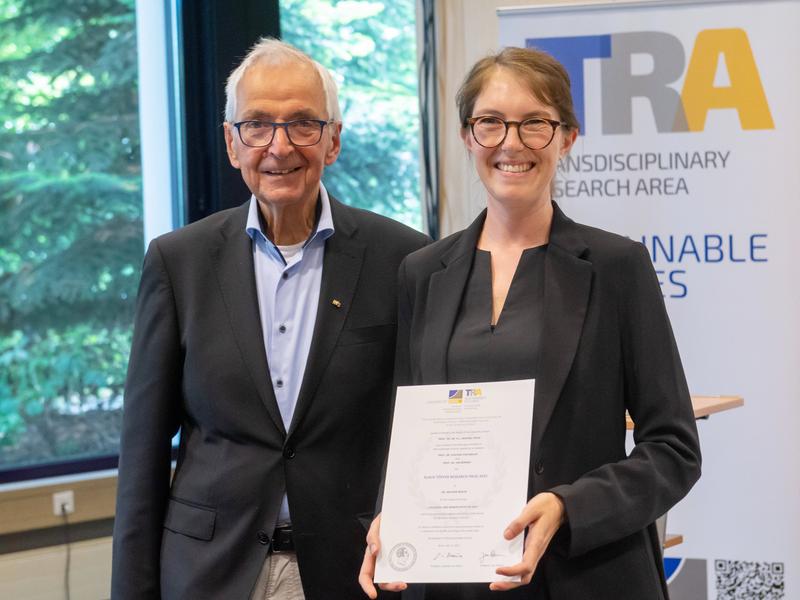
[[509, 350]]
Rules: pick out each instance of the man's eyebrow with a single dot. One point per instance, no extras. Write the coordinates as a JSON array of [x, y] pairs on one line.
[[256, 115], [304, 114], [259, 115]]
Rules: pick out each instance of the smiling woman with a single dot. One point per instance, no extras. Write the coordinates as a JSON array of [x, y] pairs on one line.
[[526, 293], [516, 163]]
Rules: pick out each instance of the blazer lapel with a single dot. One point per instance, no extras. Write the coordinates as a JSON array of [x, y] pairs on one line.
[[445, 289], [341, 266], [232, 256], [568, 280]]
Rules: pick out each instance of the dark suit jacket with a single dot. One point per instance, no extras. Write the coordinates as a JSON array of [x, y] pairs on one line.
[[608, 347], [198, 363]]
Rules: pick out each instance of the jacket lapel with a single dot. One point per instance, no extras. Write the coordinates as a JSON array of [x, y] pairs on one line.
[[445, 289], [341, 266], [568, 279], [232, 257]]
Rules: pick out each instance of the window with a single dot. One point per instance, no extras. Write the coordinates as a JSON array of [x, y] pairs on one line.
[[71, 228], [370, 47], [89, 172]]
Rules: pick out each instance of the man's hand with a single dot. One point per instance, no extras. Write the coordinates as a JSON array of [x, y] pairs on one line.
[[367, 573], [542, 516]]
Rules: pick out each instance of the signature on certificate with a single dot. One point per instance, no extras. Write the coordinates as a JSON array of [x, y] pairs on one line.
[[446, 555], [490, 556]]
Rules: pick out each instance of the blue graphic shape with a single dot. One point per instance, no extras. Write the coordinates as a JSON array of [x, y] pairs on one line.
[[571, 52], [670, 566]]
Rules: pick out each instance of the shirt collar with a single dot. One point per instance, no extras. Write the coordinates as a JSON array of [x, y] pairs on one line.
[[323, 228]]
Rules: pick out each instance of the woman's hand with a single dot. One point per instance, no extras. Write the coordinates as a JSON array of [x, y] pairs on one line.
[[367, 573], [543, 515]]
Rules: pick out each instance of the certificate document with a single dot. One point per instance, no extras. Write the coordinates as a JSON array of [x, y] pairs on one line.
[[457, 475]]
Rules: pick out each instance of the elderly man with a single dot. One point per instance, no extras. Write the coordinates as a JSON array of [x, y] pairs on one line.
[[266, 335]]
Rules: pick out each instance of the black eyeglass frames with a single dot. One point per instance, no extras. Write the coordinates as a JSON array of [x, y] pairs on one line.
[[301, 132]]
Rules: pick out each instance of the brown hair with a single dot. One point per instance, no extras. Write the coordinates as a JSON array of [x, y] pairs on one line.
[[546, 78]]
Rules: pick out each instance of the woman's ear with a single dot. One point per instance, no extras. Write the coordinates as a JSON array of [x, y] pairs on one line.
[[567, 141], [466, 138]]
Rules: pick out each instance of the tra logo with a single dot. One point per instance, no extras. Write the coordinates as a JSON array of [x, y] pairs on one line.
[[457, 396], [717, 54]]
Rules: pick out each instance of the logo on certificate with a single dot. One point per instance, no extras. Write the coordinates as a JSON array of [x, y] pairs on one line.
[[402, 557], [457, 396]]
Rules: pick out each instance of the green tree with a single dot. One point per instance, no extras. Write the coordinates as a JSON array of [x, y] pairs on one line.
[[371, 49], [70, 223]]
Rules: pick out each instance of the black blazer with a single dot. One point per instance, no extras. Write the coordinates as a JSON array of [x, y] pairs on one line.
[[607, 347], [198, 363]]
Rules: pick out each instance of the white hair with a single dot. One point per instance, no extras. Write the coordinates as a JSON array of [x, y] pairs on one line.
[[275, 52]]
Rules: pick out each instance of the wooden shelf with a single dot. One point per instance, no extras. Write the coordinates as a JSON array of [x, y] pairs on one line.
[[31, 507], [707, 405]]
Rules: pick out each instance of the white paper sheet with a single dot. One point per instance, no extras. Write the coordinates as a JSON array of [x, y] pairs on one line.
[[457, 475]]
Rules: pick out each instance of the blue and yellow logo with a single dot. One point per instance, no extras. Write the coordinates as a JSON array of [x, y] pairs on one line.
[[716, 52], [457, 396]]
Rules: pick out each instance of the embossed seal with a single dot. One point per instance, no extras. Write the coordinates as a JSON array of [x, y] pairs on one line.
[[402, 557]]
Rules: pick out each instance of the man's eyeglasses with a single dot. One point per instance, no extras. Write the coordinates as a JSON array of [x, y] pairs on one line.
[[536, 133], [302, 132]]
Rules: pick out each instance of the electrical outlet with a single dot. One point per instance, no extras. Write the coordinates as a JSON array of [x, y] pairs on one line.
[[66, 499]]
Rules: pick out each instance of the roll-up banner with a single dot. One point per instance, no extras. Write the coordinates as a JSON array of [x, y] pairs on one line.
[[690, 143]]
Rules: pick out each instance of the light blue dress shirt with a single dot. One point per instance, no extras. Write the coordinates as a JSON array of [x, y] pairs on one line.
[[288, 295]]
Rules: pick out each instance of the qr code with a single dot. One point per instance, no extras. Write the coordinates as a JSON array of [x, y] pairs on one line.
[[742, 580]]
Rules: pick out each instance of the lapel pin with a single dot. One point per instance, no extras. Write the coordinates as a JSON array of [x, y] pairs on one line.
[[336, 303]]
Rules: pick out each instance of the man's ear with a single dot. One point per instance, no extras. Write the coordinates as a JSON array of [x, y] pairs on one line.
[[229, 145], [332, 153]]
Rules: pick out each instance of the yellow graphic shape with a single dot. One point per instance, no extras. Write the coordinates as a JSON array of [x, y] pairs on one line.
[[745, 92]]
